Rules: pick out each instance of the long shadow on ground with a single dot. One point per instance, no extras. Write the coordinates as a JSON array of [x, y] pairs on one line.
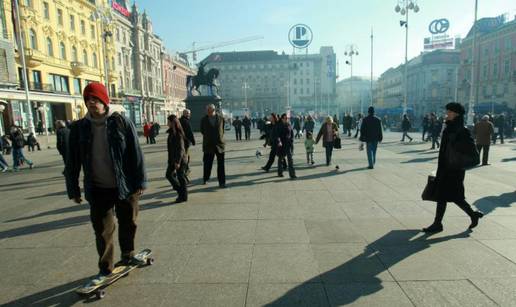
[[490, 203], [358, 277]]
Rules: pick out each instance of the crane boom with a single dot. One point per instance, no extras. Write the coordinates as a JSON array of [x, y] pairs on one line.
[[224, 44]]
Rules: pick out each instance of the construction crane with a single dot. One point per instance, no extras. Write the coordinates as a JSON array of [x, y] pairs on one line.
[[218, 45]]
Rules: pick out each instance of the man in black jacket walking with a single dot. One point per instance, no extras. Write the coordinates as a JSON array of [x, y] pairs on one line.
[[371, 133], [189, 137], [104, 144], [212, 129], [246, 122]]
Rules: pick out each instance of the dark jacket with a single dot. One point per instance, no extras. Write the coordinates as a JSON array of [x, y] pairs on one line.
[[450, 182], [176, 149], [322, 132], [284, 137], [31, 140], [371, 129], [17, 139], [237, 124], [62, 135], [405, 124], [309, 126], [213, 137], [124, 150], [187, 129], [246, 122]]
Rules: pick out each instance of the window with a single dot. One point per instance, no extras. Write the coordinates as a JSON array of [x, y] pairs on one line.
[[75, 57], [50, 47], [112, 63], [85, 57], [60, 17], [94, 60], [125, 38], [28, 3], [72, 23], [508, 44], [119, 59], [83, 27], [507, 67], [62, 50], [92, 31], [506, 88], [484, 72], [36, 78], [495, 70], [60, 83], [118, 35], [486, 52], [295, 81], [33, 39], [77, 86], [46, 10], [295, 91]]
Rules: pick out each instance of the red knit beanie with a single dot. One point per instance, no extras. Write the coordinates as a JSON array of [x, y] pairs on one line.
[[97, 90]]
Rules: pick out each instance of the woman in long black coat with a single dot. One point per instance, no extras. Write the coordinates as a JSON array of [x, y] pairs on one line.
[[450, 180], [177, 159]]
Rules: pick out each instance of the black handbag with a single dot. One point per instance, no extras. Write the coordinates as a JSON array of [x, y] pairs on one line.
[[465, 157], [430, 191], [337, 143]]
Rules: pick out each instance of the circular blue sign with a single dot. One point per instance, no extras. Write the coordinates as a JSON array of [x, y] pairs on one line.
[[439, 26], [300, 36]]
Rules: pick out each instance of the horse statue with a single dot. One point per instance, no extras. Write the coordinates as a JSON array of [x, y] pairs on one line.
[[208, 79]]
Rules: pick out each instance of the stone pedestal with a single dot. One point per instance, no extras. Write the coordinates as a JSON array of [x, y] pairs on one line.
[[197, 105]]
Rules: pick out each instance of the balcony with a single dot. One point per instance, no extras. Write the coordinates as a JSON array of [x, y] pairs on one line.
[[33, 58], [77, 68]]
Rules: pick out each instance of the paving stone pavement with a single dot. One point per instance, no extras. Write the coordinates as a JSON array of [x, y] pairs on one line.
[[329, 238]]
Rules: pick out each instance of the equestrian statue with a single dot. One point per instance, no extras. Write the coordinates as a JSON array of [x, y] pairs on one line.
[[202, 78]]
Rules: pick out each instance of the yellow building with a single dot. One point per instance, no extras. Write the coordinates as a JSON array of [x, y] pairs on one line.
[[64, 51]]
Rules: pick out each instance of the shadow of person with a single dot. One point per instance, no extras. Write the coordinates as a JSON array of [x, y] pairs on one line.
[[62, 295], [489, 203], [360, 276]]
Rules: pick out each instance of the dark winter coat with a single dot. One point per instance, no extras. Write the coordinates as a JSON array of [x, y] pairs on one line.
[[17, 139], [237, 124], [450, 182], [309, 125], [187, 129], [62, 135], [124, 150], [405, 124], [213, 136], [176, 149], [246, 122], [284, 137], [371, 129]]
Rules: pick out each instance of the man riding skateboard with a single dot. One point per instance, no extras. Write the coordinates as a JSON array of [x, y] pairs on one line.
[[105, 145]]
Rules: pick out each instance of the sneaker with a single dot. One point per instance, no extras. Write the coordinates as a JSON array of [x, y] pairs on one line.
[[129, 261], [100, 278], [265, 169], [5, 169]]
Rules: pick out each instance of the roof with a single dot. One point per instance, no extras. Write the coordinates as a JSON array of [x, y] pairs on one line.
[[245, 56], [489, 25]]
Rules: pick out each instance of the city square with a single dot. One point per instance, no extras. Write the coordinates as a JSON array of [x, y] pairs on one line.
[[328, 238]]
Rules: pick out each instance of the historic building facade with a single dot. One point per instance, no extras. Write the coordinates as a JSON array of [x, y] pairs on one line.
[[175, 72]]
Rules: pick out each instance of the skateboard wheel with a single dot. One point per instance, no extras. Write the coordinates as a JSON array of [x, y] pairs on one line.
[[150, 261], [100, 294]]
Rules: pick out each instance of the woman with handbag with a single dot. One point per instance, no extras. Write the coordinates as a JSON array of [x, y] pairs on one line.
[[457, 153], [177, 159], [329, 131]]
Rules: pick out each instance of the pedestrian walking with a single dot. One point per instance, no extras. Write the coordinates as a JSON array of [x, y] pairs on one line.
[[328, 132], [212, 130], [358, 124], [237, 123], [62, 136], [104, 144], [434, 129], [285, 141], [405, 127], [177, 159], [32, 142], [189, 139], [499, 124], [449, 180], [347, 124], [147, 132], [426, 125], [309, 146], [483, 132], [18, 142], [154, 132], [371, 133], [271, 138], [297, 127], [7, 148], [3, 164], [246, 122]]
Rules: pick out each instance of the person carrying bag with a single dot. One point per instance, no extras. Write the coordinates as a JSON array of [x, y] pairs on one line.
[[457, 153]]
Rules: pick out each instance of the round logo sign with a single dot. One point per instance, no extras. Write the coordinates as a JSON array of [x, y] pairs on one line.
[[300, 36], [439, 26]]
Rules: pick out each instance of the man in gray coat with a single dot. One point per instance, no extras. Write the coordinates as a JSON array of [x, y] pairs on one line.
[[484, 131], [212, 129]]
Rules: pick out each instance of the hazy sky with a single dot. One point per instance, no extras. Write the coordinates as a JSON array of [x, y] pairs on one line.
[[337, 23]]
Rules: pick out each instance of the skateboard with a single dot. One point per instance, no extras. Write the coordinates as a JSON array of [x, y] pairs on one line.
[[120, 271]]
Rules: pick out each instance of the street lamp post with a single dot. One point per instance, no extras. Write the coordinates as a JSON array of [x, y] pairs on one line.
[[472, 93], [351, 51], [403, 7], [43, 110], [104, 17], [245, 87]]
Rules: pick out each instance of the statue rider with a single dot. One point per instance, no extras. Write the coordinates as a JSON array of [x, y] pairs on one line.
[[200, 71]]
